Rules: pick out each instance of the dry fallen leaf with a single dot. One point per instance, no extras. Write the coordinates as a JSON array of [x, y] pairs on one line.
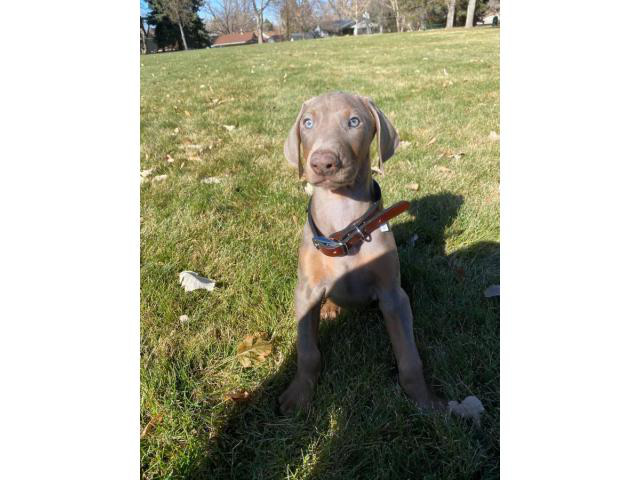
[[210, 180], [444, 170], [308, 188], [153, 423], [238, 396], [413, 186], [432, 141], [254, 349], [186, 112], [160, 178]]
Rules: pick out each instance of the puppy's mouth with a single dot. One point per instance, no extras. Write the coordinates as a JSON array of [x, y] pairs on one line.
[[342, 178]]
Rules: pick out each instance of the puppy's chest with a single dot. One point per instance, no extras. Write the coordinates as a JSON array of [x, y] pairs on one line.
[[349, 282]]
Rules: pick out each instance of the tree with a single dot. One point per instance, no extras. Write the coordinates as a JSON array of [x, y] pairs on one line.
[[143, 37], [471, 11], [259, 11], [230, 16], [451, 14], [169, 34], [178, 12]]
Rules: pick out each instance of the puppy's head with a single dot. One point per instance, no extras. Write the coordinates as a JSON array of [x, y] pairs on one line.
[[335, 131]]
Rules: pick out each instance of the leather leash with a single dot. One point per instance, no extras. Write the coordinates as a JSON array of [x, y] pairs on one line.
[[338, 244]]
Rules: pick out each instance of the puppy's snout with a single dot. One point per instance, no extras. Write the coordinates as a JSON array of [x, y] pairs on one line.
[[325, 163]]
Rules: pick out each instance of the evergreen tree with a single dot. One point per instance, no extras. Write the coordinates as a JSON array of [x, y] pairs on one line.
[[167, 33]]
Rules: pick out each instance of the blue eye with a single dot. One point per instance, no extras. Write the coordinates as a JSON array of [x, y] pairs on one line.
[[308, 123], [354, 122]]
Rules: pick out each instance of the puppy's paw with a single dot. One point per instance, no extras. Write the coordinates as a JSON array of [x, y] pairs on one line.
[[297, 396], [329, 311]]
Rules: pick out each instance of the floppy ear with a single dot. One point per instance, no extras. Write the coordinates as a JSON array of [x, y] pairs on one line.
[[292, 145], [388, 139]]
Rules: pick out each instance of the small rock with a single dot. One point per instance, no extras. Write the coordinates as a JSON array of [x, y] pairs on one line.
[[192, 281], [159, 178], [471, 407], [211, 180], [492, 291], [184, 319]]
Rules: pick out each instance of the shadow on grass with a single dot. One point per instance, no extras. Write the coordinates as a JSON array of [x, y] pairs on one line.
[[360, 424]]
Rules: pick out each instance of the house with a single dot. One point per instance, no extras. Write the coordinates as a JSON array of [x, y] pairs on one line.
[[232, 39], [338, 27], [302, 36], [273, 36], [362, 27]]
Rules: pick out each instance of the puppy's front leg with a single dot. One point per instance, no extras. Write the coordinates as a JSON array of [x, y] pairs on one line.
[[398, 319], [299, 393]]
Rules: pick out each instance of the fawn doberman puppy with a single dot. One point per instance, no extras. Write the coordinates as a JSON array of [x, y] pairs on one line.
[[359, 263]]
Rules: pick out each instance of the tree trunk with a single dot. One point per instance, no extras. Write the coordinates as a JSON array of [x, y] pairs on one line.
[[143, 41], [184, 40], [451, 13], [355, 27], [471, 13], [287, 20], [259, 28]]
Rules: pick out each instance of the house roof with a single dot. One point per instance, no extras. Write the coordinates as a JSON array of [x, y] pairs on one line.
[[337, 25], [235, 39]]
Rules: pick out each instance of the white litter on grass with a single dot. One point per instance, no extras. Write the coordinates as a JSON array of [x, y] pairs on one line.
[[492, 291], [184, 319], [191, 281], [413, 240], [493, 136], [159, 178], [229, 127], [470, 407], [210, 180], [403, 144], [147, 172]]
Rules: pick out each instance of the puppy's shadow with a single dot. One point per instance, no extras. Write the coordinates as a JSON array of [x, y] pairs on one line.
[[360, 424]]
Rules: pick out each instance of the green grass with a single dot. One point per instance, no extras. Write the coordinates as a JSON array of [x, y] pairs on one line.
[[244, 233]]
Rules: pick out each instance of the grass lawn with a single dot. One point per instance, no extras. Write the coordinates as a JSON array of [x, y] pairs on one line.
[[244, 231]]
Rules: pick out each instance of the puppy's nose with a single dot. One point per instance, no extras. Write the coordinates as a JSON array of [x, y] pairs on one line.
[[325, 163]]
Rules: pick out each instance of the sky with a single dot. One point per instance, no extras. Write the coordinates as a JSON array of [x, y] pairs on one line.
[[204, 14]]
